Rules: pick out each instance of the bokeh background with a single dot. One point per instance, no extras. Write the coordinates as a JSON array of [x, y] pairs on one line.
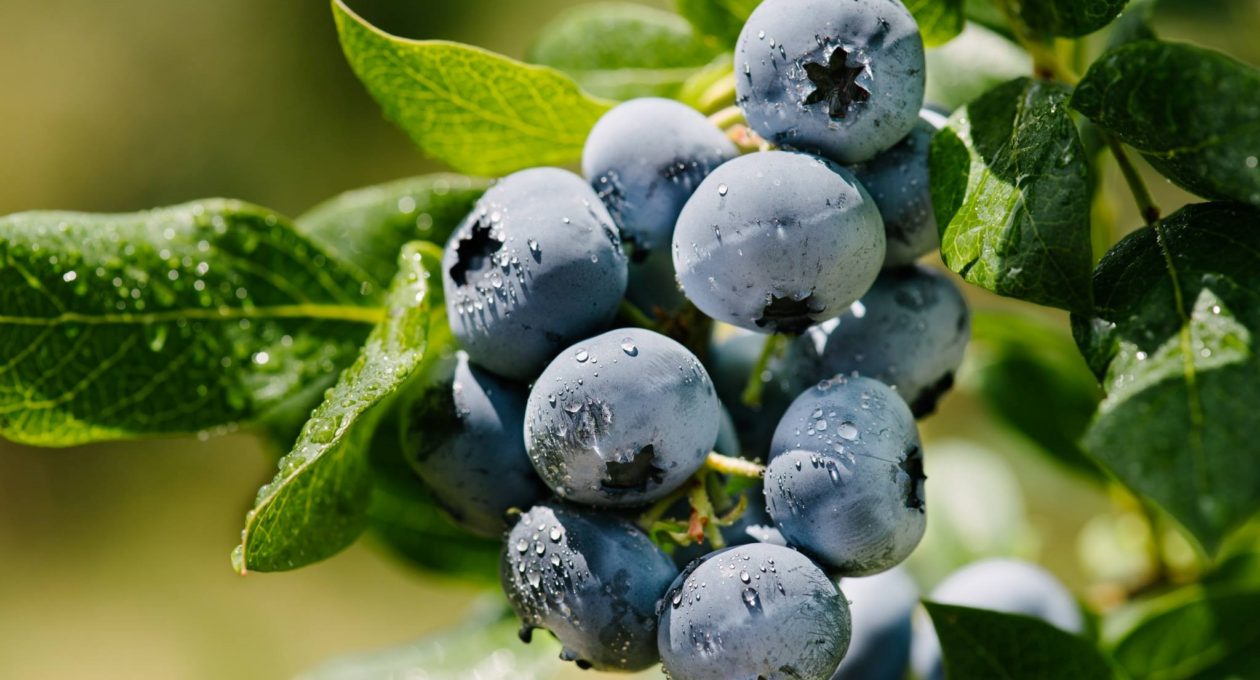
[[114, 558]]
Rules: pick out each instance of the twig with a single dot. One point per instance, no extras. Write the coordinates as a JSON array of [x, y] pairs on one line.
[[737, 467], [1146, 204], [752, 390]]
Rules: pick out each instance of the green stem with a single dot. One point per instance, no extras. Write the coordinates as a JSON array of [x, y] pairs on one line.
[[727, 117], [1146, 204], [718, 96], [658, 509], [636, 316], [1046, 63], [1161, 573], [701, 506], [752, 389], [735, 467]]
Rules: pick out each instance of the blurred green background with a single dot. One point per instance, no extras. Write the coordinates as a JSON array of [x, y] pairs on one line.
[[114, 558]]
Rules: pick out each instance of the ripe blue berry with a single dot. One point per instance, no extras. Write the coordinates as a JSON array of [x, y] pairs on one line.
[[652, 287], [644, 158], [753, 612], [844, 79], [1000, 584], [593, 580], [909, 331], [898, 181], [776, 241], [845, 480], [621, 419], [464, 440], [882, 607], [535, 266]]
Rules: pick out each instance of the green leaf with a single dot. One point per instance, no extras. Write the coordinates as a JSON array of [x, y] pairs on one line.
[[1193, 113], [975, 62], [978, 643], [318, 502], [722, 19], [939, 20], [408, 522], [1032, 378], [1175, 333], [1133, 25], [1010, 184], [173, 321], [1069, 18], [1194, 633], [368, 226], [479, 112], [621, 50], [485, 649]]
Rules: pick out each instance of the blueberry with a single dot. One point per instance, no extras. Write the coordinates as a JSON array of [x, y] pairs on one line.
[[732, 356], [653, 287], [644, 158], [898, 181], [621, 419], [1000, 584], [776, 241], [845, 480], [753, 612], [464, 439], [910, 331], [844, 79], [593, 580], [882, 607], [534, 267]]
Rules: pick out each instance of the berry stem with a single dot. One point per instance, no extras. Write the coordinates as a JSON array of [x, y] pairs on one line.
[[703, 525], [1146, 204], [636, 317], [736, 467], [756, 381], [718, 96], [727, 117], [657, 510]]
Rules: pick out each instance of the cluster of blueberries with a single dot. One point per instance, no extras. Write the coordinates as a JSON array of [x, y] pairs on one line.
[[819, 244]]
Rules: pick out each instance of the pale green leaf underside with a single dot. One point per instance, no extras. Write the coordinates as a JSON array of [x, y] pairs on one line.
[[1179, 310], [172, 321], [1010, 185], [978, 643], [367, 227], [479, 112], [622, 50], [318, 502]]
